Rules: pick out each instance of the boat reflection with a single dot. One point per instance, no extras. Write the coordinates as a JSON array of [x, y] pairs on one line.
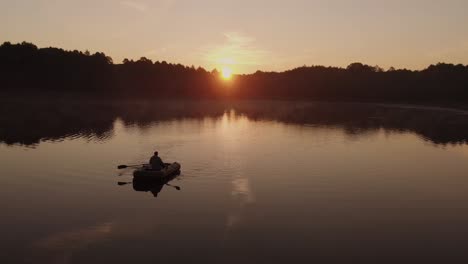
[[152, 185]]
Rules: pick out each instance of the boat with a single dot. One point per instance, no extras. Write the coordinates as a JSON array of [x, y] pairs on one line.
[[145, 172]]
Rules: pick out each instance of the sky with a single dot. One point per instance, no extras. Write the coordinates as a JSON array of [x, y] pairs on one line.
[[248, 35]]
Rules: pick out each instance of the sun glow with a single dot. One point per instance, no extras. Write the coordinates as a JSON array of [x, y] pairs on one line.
[[226, 73]]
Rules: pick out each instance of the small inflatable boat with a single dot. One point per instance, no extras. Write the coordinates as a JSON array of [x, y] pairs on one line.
[[146, 172]]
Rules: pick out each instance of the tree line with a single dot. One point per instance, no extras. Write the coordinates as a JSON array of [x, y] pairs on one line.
[[27, 69]]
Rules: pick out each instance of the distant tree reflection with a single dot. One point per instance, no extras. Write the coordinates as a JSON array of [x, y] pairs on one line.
[[29, 123]]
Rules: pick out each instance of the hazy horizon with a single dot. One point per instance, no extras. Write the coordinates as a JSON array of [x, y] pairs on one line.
[[247, 36]]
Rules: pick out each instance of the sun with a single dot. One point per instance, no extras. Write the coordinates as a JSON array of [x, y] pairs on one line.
[[226, 73]]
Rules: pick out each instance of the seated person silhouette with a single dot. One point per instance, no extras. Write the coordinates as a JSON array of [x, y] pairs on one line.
[[156, 162]]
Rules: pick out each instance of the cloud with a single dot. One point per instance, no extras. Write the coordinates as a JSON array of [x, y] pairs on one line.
[[135, 5], [60, 247], [243, 195], [156, 51], [237, 49]]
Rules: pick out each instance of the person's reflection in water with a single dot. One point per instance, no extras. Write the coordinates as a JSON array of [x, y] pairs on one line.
[[154, 187], [150, 185], [156, 190]]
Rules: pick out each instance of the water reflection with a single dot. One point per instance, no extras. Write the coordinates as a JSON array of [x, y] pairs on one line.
[[154, 186], [262, 182], [52, 121], [60, 247]]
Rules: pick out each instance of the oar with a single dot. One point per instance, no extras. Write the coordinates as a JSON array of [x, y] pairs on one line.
[[129, 166], [175, 186]]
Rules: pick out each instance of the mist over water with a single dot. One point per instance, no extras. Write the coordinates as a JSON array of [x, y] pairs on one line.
[[261, 182]]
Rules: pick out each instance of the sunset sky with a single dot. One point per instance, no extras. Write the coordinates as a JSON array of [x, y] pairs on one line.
[[247, 35]]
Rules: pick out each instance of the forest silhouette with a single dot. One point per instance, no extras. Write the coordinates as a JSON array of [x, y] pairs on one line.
[[26, 69]]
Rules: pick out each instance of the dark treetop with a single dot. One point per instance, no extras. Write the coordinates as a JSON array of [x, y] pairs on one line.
[[26, 69]]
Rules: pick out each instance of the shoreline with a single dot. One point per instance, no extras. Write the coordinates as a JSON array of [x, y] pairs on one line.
[[461, 108]]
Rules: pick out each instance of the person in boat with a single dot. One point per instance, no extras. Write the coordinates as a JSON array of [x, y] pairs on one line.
[[156, 162]]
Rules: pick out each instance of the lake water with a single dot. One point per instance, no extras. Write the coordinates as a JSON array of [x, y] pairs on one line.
[[261, 182]]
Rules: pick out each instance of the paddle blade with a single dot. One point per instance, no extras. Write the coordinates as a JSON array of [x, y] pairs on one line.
[[122, 167]]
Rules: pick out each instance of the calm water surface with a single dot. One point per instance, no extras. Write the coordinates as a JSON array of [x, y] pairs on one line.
[[253, 190]]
